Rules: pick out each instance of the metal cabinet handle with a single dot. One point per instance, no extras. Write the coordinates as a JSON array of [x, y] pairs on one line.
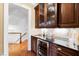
[[59, 49]]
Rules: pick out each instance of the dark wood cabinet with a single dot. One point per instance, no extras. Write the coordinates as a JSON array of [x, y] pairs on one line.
[[46, 15], [68, 15], [34, 44], [37, 16], [53, 15], [58, 50], [40, 15], [64, 51], [44, 48], [77, 13]]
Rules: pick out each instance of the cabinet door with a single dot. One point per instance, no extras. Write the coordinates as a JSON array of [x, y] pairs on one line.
[[37, 16], [58, 50], [34, 44], [67, 18], [64, 51], [77, 13], [40, 15], [46, 15], [53, 50], [42, 11], [51, 15]]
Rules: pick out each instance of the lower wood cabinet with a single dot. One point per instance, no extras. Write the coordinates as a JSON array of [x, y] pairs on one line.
[[57, 50], [34, 44], [53, 49], [66, 51]]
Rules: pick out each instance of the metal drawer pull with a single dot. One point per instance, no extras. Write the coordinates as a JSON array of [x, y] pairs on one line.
[[59, 48]]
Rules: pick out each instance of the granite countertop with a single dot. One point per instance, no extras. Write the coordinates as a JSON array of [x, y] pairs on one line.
[[59, 41]]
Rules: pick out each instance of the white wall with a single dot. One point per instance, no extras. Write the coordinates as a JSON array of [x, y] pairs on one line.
[[18, 22], [6, 29]]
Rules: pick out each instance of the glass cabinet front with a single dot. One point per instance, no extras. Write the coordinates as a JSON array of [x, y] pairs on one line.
[[51, 14], [42, 20], [47, 15]]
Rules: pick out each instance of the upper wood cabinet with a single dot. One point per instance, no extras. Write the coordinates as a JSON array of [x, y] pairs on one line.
[[40, 15], [46, 15], [37, 16], [77, 13], [68, 15], [51, 15], [63, 15]]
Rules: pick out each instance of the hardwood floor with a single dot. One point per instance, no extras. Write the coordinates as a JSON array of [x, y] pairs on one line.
[[20, 49]]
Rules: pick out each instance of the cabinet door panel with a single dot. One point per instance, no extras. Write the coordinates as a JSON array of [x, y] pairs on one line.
[[66, 51], [53, 50], [77, 12], [37, 17], [34, 44], [58, 50], [42, 16], [51, 15], [67, 13]]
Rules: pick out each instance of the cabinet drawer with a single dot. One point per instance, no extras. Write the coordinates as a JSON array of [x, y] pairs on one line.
[[66, 51]]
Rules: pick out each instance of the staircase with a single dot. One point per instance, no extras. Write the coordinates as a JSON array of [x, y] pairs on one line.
[[22, 35], [20, 38]]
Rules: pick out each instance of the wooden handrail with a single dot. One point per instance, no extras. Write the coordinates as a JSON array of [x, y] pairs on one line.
[[14, 33], [17, 33]]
